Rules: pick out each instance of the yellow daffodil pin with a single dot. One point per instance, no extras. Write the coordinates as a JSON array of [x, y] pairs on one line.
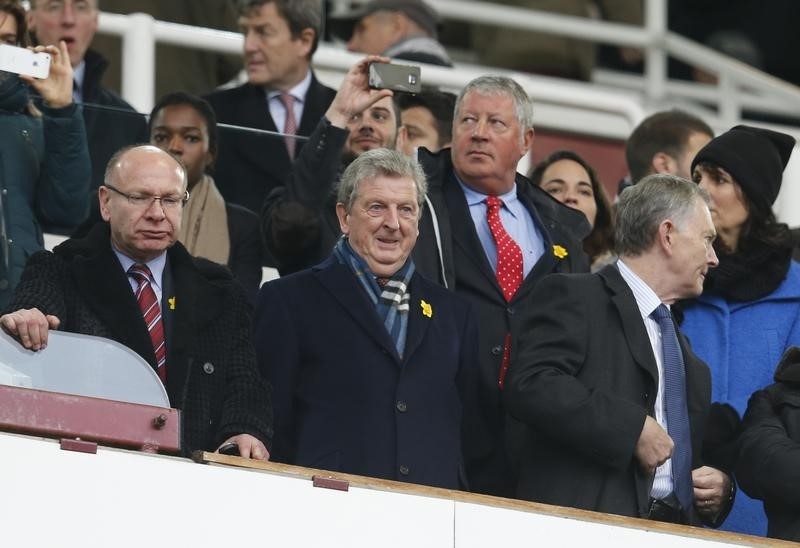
[[171, 302], [559, 251], [427, 309]]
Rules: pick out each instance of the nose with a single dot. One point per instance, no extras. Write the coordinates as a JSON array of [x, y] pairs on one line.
[[711, 257], [250, 42], [176, 145], [570, 197], [155, 210], [68, 14], [391, 219], [479, 130]]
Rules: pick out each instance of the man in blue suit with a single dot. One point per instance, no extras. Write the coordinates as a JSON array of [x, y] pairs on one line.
[[371, 364]]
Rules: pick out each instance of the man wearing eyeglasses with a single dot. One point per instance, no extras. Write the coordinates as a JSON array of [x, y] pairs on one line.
[[130, 280]]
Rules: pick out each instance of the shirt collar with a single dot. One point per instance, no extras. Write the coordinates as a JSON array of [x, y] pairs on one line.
[[646, 298], [474, 197], [78, 76], [298, 92]]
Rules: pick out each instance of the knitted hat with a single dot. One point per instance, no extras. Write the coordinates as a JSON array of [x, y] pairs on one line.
[[754, 157], [341, 24]]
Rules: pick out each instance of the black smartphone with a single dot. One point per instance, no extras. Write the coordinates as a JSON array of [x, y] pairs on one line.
[[395, 77]]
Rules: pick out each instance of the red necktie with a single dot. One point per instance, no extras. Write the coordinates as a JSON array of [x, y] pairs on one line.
[[509, 268], [151, 311], [290, 126]]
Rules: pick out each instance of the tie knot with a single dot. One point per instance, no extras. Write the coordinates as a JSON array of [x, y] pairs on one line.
[[493, 202], [661, 313], [287, 99], [140, 272]]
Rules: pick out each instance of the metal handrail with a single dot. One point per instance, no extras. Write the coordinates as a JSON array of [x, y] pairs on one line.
[[140, 32]]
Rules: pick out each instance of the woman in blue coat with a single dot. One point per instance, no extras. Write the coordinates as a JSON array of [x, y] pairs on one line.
[[44, 159], [748, 312]]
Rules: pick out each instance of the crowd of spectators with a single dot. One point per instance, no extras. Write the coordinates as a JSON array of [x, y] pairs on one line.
[[440, 318]]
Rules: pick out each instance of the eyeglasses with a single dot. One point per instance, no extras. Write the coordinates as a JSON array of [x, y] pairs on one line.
[[145, 200]]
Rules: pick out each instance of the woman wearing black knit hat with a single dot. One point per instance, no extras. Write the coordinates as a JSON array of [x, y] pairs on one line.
[[748, 312]]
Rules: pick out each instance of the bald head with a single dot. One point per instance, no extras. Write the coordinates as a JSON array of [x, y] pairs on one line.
[[142, 200]]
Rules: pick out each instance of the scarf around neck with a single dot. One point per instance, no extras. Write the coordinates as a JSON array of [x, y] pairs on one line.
[[204, 229], [391, 300], [749, 275]]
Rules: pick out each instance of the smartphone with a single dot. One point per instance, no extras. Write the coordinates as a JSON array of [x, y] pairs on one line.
[[24, 61], [395, 77]]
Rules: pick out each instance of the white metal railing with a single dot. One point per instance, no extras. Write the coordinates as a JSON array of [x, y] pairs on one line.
[[140, 32], [739, 85]]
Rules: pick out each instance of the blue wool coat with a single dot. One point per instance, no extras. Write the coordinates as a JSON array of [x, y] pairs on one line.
[[344, 400], [742, 342], [44, 177]]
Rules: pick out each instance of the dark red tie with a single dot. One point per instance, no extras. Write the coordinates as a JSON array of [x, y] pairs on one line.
[[290, 126], [509, 268], [148, 304]]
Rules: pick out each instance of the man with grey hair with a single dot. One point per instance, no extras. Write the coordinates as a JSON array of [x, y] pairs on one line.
[[614, 399], [491, 235], [281, 95], [371, 364]]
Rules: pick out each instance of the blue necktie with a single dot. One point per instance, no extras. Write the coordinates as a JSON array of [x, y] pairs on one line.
[[675, 406]]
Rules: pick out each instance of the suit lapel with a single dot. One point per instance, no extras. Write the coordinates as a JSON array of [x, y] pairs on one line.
[[197, 303], [466, 237], [342, 285], [631, 319], [106, 290], [419, 316]]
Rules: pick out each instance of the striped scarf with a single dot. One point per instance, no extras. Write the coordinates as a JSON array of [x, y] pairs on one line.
[[391, 300]]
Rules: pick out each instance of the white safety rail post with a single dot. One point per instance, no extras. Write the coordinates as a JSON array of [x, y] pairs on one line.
[[655, 13]]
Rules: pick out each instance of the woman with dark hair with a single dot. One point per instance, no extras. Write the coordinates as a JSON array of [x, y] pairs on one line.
[[44, 160], [572, 181], [185, 126], [748, 312]]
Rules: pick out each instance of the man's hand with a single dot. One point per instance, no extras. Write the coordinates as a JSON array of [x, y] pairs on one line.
[[56, 89], [354, 95], [30, 326], [249, 447], [654, 446], [712, 489]]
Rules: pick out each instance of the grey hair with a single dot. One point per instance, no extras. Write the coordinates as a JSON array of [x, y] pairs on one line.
[[376, 163], [643, 207], [501, 85]]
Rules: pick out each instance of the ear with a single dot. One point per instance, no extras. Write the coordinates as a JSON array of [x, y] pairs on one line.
[[341, 214], [104, 196], [663, 163], [30, 20], [401, 143], [527, 141], [306, 41], [666, 236]]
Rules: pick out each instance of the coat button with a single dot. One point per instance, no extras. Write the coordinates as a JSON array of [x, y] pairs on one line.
[[403, 470], [208, 367], [5, 191], [645, 397], [401, 406], [496, 350], [510, 310]]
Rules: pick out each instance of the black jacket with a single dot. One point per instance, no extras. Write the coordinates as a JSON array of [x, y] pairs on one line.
[[249, 164], [769, 456], [211, 371]]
